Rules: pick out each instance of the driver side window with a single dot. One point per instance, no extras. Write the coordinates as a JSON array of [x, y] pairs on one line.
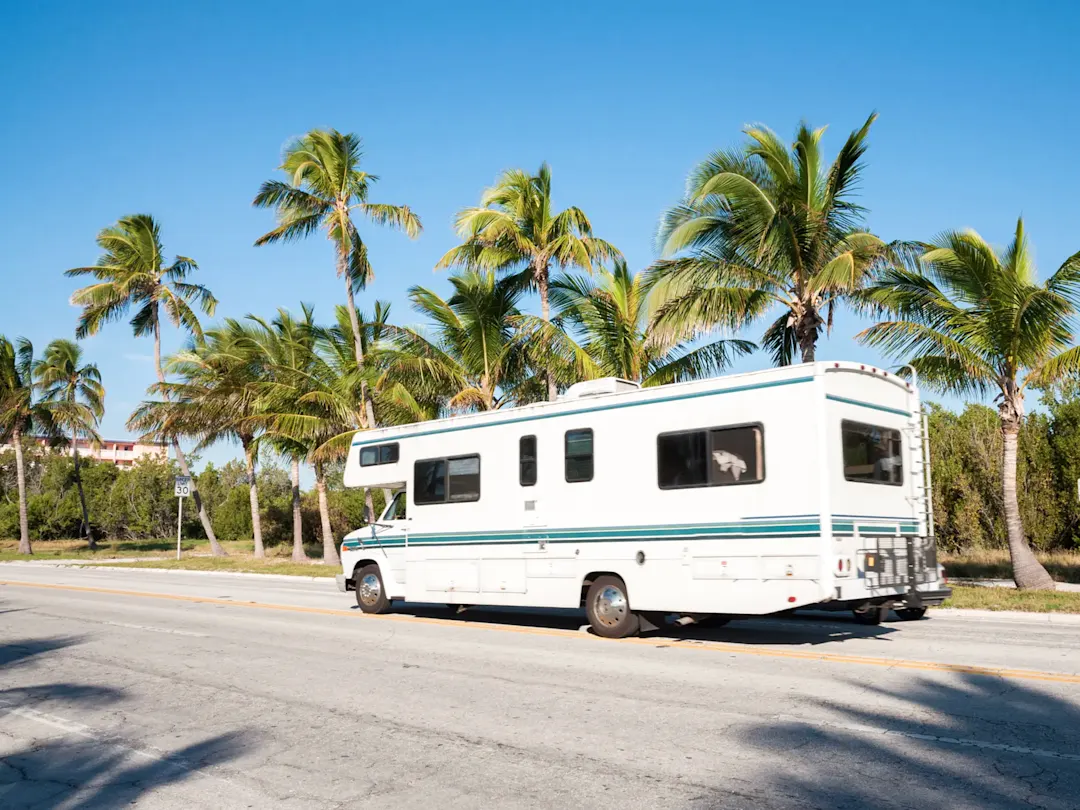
[[396, 510]]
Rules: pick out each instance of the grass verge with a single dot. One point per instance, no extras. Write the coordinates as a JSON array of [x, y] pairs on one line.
[[113, 549], [980, 598], [245, 565], [983, 563]]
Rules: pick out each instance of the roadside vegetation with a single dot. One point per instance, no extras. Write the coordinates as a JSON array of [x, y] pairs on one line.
[[768, 234], [976, 597], [994, 563]]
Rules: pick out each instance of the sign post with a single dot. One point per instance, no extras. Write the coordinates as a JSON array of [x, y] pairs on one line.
[[181, 489]]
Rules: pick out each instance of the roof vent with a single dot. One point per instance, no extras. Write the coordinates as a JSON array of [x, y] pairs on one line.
[[601, 387]]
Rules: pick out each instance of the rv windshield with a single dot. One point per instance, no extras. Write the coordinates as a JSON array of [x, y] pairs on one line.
[[396, 509]]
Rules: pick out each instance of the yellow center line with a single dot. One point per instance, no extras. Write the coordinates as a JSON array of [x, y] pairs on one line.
[[715, 646]]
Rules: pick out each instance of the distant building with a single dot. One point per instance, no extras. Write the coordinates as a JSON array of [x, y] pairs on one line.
[[121, 452]]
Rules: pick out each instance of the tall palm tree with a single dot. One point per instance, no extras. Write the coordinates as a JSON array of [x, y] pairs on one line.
[[611, 319], [286, 347], [21, 415], [475, 360], [215, 398], [325, 188], [73, 393], [131, 274], [768, 226], [515, 229], [976, 320]]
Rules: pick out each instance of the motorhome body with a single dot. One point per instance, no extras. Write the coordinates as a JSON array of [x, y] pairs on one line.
[[745, 494]]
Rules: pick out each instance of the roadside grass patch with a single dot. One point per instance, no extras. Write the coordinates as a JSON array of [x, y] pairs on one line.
[[236, 564], [985, 563], [981, 598], [112, 549]]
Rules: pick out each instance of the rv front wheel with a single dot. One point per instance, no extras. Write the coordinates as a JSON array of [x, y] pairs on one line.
[[607, 606], [370, 593]]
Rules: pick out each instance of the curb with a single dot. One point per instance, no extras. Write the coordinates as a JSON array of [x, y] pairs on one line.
[[1017, 616]]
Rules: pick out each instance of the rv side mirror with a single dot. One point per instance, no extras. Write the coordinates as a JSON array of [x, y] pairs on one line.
[[367, 516]]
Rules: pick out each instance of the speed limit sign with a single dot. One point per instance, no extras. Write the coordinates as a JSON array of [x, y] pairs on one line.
[[182, 486]]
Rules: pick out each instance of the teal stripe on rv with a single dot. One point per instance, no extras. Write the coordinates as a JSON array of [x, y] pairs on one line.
[[764, 529], [870, 405], [611, 407]]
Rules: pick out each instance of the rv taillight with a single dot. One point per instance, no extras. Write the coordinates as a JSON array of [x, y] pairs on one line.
[[840, 565]]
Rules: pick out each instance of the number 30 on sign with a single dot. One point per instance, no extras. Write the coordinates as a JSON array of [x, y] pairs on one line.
[[182, 486]]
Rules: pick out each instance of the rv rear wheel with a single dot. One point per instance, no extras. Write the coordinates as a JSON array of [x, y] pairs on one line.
[[910, 614], [370, 593], [607, 606]]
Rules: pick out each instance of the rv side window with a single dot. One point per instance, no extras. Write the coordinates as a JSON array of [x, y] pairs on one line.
[[872, 454], [464, 475], [447, 480], [527, 461], [429, 481], [378, 454], [710, 458], [579, 455]]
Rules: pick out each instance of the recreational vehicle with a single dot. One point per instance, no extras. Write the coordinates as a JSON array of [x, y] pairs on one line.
[[742, 495]]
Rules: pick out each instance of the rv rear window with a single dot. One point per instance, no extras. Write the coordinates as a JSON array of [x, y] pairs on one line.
[[378, 454], [446, 480], [872, 454], [579, 455], [527, 461], [710, 458]]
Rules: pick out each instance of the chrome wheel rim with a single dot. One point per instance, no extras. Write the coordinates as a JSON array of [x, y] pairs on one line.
[[610, 606], [370, 589]]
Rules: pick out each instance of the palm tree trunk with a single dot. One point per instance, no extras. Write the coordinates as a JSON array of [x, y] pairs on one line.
[[298, 554], [358, 346], [329, 547], [542, 278], [253, 497], [806, 331], [90, 541], [1028, 573], [20, 476], [181, 459]]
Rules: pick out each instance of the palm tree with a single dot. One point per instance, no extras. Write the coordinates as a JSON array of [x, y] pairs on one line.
[[515, 229], [286, 349], [765, 226], [476, 359], [325, 187], [611, 317], [21, 415], [75, 397], [215, 399], [131, 274], [973, 320]]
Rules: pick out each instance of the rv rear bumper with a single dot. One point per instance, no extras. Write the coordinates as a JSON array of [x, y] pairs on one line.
[[927, 598]]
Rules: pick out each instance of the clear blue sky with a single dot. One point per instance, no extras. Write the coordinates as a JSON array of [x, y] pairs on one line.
[[181, 110]]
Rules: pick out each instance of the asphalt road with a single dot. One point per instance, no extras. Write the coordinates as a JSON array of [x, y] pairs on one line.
[[172, 690]]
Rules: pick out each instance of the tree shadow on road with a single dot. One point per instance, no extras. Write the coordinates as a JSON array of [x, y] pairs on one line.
[[16, 652], [86, 773], [55, 759], [967, 741]]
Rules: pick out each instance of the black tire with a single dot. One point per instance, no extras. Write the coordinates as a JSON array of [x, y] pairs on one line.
[[910, 614], [872, 615], [607, 606], [371, 596]]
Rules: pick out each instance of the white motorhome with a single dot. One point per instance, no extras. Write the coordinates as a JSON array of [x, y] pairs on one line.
[[747, 494]]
